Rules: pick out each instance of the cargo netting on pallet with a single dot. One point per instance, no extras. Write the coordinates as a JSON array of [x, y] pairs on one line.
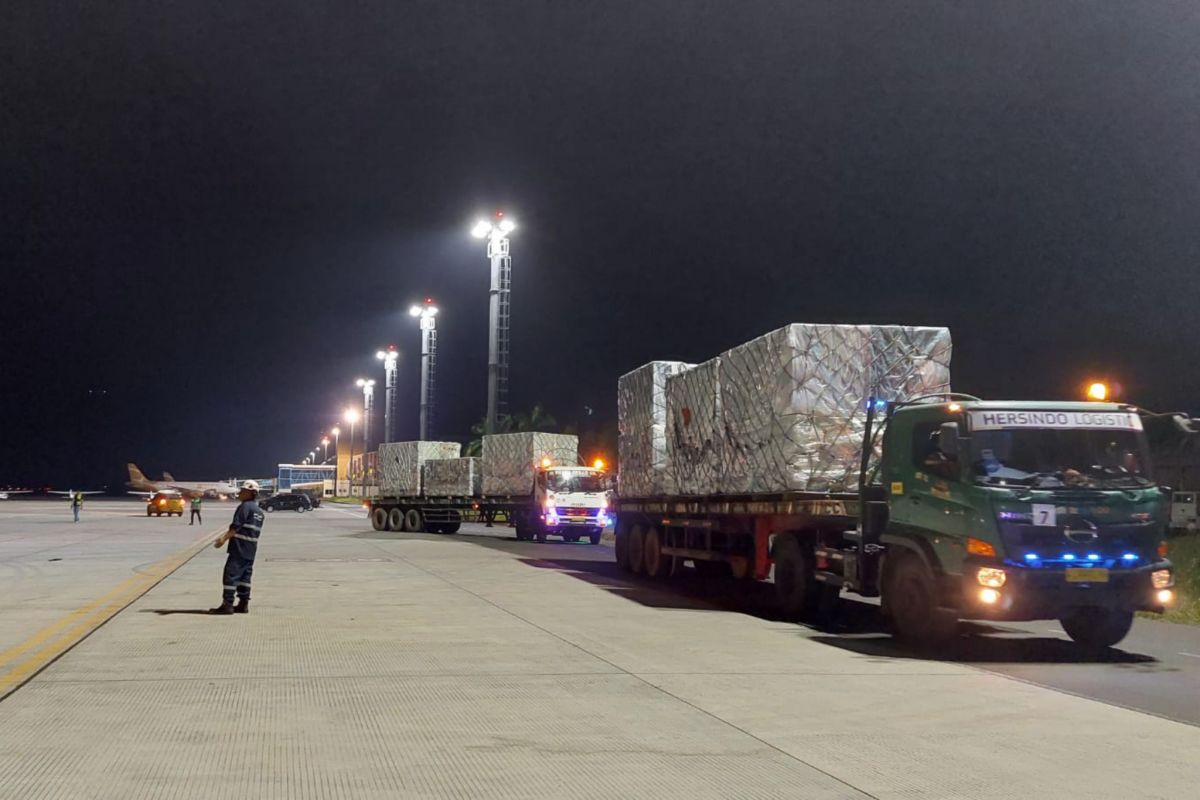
[[695, 447], [452, 477], [793, 403], [510, 460], [400, 465], [642, 429]]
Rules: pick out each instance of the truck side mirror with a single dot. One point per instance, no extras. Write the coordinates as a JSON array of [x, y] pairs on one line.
[[947, 440]]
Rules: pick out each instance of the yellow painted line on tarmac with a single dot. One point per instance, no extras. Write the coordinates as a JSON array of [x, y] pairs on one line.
[[57, 638]]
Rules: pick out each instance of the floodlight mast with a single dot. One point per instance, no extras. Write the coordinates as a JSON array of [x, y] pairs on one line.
[[388, 357], [426, 314], [499, 312]]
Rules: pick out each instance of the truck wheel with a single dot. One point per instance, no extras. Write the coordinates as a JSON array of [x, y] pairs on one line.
[[451, 527], [637, 548], [796, 589], [655, 562], [1097, 627], [379, 519], [911, 595], [594, 537], [414, 521], [149, 512], [621, 546], [395, 520]]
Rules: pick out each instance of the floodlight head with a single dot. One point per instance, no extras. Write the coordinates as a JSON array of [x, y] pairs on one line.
[[507, 226], [325, 440], [351, 415], [482, 228], [360, 383], [431, 310], [415, 311], [380, 355]]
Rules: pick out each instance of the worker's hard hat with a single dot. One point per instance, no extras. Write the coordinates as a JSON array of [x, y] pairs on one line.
[[251, 485]]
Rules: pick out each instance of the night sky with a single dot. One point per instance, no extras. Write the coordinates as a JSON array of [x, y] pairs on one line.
[[214, 213]]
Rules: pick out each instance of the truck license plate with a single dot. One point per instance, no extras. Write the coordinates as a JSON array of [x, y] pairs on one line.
[[1087, 575]]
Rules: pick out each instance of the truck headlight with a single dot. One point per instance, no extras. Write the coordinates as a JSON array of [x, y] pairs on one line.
[[1162, 579], [991, 577]]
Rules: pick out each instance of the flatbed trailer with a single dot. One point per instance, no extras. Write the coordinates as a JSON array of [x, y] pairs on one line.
[[445, 514]]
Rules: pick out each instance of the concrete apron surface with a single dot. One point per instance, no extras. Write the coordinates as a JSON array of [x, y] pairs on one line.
[[386, 665]]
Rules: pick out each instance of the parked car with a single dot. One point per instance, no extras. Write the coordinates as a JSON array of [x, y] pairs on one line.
[[165, 503], [287, 501], [313, 495]]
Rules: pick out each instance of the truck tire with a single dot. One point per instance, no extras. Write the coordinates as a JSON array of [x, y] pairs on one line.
[[621, 546], [656, 563], [414, 521], [395, 520], [910, 594], [796, 589], [637, 548], [451, 527], [379, 519], [1097, 628]]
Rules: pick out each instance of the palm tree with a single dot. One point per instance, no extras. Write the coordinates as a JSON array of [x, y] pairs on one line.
[[537, 420]]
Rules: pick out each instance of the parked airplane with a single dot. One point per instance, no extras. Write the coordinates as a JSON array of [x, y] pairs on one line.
[[7, 493], [142, 486], [4, 495]]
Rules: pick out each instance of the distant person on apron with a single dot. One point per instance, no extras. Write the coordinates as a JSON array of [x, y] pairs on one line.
[[196, 510]]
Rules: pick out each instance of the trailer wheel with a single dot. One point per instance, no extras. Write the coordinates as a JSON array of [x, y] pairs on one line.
[[637, 548], [414, 521], [655, 562], [395, 520], [911, 596], [451, 527], [796, 590], [621, 546], [379, 519], [1097, 627]]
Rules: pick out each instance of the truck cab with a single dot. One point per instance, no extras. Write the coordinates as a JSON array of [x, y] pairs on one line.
[[1013, 511], [572, 502]]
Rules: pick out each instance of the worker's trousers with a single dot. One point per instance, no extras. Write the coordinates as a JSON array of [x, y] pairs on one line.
[[196, 517], [236, 578], [76, 510]]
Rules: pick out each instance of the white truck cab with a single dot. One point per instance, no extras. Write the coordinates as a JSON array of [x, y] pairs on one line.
[[573, 502]]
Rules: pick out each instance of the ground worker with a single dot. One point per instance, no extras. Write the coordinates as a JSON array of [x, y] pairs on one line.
[[196, 510], [242, 537], [77, 504]]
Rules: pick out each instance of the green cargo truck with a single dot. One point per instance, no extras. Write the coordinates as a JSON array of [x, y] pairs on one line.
[[967, 509]]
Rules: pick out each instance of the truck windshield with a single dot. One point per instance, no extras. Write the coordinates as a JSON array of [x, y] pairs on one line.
[[1048, 458], [575, 481]]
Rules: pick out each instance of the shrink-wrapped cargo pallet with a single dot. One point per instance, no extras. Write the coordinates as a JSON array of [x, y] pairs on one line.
[[642, 427], [694, 445], [510, 459], [452, 476], [793, 402], [400, 465]]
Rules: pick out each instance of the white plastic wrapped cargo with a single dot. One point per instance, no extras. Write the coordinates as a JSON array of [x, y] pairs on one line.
[[693, 437], [510, 459], [642, 429], [793, 402], [400, 465], [457, 477]]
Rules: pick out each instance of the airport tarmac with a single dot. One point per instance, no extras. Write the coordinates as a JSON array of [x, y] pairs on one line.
[[379, 664]]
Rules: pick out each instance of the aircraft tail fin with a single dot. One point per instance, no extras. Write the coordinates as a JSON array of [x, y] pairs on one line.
[[168, 477], [135, 474]]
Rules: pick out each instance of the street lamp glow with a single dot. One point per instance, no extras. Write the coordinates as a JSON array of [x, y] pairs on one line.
[[336, 431], [351, 415], [482, 228], [415, 311], [325, 441], [507, 226], [364, 383]]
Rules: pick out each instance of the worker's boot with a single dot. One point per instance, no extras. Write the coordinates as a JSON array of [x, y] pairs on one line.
[[224, 608], [243, 606]]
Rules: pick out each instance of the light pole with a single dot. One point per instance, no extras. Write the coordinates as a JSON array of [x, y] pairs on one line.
[[388, 357], [427, 315], [336, 431], [499, 312], [351, 416], [325, 444], [368, 387]]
